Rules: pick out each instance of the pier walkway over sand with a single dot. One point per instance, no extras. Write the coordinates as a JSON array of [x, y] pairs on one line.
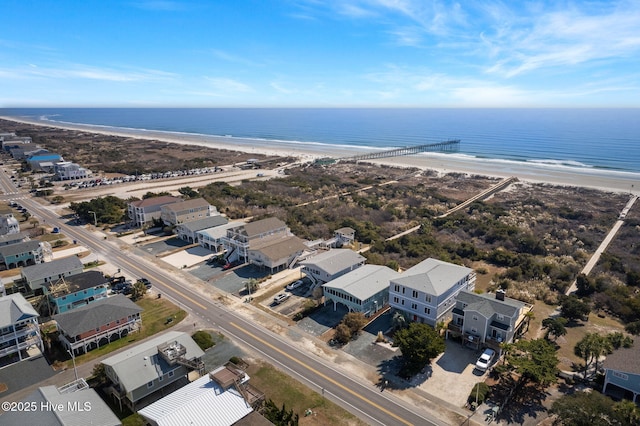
[[450, 145], [481, 196], [605, 243]]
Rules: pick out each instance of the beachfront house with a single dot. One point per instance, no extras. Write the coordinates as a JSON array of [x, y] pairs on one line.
[[144, 212], [212, 238], [186, 211], [622, 373], [188, 231], [151, 367], [103, 321], [19, 331], [21, 254], [44, 162], [275, 252], [488, 320], [365, 289], [328, 265], [239, 239], [426, 292], [71, 292]]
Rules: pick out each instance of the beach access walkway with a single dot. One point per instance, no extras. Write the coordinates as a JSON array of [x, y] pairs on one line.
[[481, 196], [605, 243]]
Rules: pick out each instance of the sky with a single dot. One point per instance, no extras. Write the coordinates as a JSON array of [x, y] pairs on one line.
[[319, 53]]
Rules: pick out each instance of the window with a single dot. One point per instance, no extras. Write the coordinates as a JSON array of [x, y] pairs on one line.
[[427, 298], [428, 311], [402, 302], [396, 299], [414, 306], [474, 330], [459, 321], [161, 378], [414, 294], [620, 375], [475, 318], [150, 384], [500, 317], [171, 373]]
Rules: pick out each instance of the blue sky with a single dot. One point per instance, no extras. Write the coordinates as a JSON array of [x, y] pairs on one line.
[[326, 53]]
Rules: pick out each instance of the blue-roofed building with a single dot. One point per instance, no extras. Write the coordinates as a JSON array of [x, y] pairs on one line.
[[44, 162]]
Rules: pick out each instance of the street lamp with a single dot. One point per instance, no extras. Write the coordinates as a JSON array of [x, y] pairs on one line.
[[95, 219], [73, 358]]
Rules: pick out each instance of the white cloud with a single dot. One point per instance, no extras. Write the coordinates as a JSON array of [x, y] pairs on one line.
[[280, 88], [75, 71], [227, 84]]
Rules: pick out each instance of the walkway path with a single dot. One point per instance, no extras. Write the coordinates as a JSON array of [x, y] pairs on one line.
[[605, 243]]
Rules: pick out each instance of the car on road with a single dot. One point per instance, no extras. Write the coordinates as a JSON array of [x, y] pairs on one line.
[[485, 359], [146, 282], [295, 285], [280, 298]]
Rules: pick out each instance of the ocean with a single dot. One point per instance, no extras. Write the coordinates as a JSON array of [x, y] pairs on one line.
[[603, 139]]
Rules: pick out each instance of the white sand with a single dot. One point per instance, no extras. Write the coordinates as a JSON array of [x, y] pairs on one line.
[[444, 163]]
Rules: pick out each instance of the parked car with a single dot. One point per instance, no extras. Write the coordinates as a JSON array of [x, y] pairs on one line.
[[146, 282], [295, 285], [280, 298], [485, 359]]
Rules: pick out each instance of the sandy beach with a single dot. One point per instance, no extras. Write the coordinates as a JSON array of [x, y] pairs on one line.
[[613, 181]]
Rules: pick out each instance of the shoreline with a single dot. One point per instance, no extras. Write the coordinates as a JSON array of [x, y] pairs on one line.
[[604, 180]]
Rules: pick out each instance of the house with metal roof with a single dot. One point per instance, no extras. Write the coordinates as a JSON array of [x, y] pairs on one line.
[[240, 238], [426, 292], [8, 223], [44, 162], [330, 264], [19, 331], [9, 239], [365, 289], [36, 276], [25, 253], [622, 373], [186, 211], [74, 404], [143, 212], [75, 291], [151, 366], [275, 252], [188, 231], [221, 398], [488, 320], [99, 323]]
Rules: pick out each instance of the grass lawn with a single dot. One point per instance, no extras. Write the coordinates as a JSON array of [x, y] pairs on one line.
[[282, 389], [154, 317]]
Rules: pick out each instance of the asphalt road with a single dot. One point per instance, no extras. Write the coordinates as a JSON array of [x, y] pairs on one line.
[[355, 394]]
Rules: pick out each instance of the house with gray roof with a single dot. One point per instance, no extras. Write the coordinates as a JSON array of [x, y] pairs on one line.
[[276, 252], [9, 239], [426, 292], [331, 264], [25, 253], [188, 231], [143, 212], [37, 275], [19, 331], [75, 291], [97, 324], [365, 289], [240, 238], [186, 211], [81, 405], [622, 373], [151, 366], [488, 320], [212, 238], [8, 223]]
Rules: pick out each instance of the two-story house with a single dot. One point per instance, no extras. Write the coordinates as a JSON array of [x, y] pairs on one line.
[[213, 238], [186, 211], [8, 223], [331, 264], [67, 170], [151, 366], [19, 331], [97, 324], [188, 231], [240, 238], [9, 239], [144, 212], [36, 276], [275, 252], [426, 292], [74, 291], [488, 320], [622, 373], [21, 254], [365, 289]]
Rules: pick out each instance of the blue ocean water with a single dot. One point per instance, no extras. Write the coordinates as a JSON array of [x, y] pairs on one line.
[[606, 139]]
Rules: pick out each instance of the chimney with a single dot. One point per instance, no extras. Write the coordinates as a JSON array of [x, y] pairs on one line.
[[500, 295]]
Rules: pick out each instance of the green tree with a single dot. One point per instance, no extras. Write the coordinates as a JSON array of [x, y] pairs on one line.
[[203, 339], [99, 373], [535, 360], [555, 327], [355, 321], [398, 321], [419, 344], [188, 192], [251, 285], [573, 308], [585, 409], [343, 333], [138, 291], [280, 416], [590, 348]]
